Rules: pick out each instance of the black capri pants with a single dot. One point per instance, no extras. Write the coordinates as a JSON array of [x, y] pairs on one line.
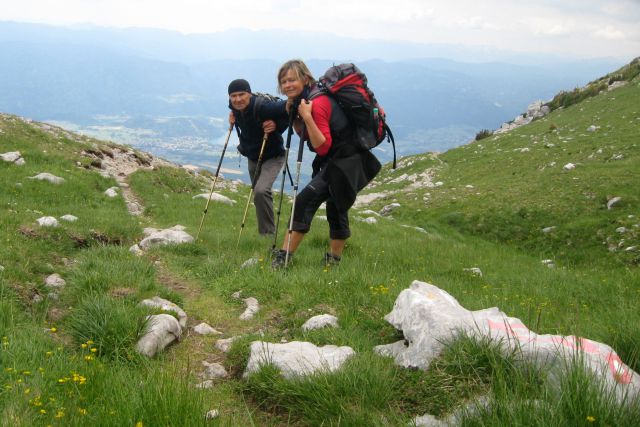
[[309, 200]]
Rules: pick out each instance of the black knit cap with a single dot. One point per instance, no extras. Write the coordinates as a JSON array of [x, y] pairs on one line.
[[239, 85]]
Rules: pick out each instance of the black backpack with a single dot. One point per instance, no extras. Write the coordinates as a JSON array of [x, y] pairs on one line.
[[348, 86]]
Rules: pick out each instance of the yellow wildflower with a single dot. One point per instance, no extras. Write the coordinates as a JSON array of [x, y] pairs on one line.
[[82, 411], [54, 329], [591, 418]]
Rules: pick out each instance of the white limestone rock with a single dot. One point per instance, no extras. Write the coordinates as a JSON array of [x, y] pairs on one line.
[[136, 250], [613, 202], [165, 237], [212, 414], [389, 208], [569, 166], [213, 371], [69, 218], [54, 281], [111, 192], [11, 156], [297, 358], [45, 176], [474, 271], [47, 221], [165, 305], [205, 329], [163, 329], [252, 308], [224, 345], [320, 321], [429, 318], [549, 263], [369, 220], [215, 197], [249, 263]]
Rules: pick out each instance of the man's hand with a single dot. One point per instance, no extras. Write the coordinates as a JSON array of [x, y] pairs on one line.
[[232, 118], [268, 126]]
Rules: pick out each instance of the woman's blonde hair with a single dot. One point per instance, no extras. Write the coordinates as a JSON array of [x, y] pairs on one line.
[[299, 68]]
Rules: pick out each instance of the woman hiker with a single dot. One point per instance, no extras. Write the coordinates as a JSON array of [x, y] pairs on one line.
[[340, 169]]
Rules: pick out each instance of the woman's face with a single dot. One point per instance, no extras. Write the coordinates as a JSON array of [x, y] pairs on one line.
[[291, 85]]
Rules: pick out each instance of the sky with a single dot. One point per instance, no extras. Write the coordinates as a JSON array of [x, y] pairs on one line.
[[579, 28]]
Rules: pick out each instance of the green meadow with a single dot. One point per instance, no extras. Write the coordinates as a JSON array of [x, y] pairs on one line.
[[70, 360]]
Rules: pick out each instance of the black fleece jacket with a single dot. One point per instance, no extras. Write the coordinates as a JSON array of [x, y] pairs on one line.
[[250, 124]]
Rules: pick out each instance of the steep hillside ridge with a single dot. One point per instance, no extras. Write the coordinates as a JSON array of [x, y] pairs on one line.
[[563, 185], [68, 346]]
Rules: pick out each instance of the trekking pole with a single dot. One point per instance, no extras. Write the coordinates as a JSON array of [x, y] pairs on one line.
[[292, 114], [215, 180], [256, 174], [295, 193]]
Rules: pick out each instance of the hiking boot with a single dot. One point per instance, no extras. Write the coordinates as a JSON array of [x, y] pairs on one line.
[[331, 260], [279, 259]]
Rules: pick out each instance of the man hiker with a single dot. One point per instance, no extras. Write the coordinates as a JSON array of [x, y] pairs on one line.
[[254, 116]]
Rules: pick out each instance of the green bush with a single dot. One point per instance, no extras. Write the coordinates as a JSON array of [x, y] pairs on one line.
[[484, 133], [113, 326]]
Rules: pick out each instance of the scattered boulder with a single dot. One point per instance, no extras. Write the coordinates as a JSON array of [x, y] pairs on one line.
[[613, 202], [44, 176], [111, 192], [430, 317], [389, 208], [165, 305], [548, 229], [249, 263], [320, 321], [163, 330], [252, 308], [69, 218], [47, 221], [297, 358], [54, 281], [13, 157], [213, 371], [593, 128], [215, 197], [204, 329], [418, 229], [474, 271], [212, 414], [224, 345], [569, 166], [165, 237], [136, 250], [369, 220], [549, 263]]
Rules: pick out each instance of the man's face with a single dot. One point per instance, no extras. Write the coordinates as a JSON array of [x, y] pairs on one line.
[[240, 100]]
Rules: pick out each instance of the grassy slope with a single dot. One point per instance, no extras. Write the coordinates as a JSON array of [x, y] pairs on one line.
[[380, 260], [520, 186]]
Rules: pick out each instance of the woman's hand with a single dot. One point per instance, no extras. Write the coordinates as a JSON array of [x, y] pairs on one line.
[[305, 109]]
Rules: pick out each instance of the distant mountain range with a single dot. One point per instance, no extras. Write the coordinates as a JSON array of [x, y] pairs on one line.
[[166, 92]]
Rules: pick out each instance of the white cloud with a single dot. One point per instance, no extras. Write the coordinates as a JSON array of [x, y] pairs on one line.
[[569, 26], [610, 33]]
